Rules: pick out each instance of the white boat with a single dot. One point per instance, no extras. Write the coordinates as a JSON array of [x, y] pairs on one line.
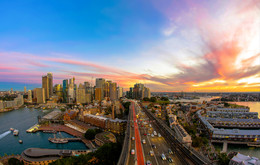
[[11, 129], [20, 141], [16, 132]]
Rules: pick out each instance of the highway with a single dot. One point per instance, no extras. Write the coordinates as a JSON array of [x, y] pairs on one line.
[[140, 129], [187, 155]]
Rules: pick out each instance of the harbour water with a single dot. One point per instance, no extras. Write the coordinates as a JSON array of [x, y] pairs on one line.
[[23, 119]]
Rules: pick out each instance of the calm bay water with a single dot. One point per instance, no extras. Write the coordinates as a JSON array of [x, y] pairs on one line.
[[23, 119]]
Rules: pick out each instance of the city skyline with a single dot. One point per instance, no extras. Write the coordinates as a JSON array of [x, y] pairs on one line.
[[207, 46]]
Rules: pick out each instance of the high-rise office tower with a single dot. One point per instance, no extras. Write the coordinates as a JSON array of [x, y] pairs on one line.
[[24, 90], [113, 91], [107, 88], [29, 96], [50, 79], [119, 92], [81, 94], [98, 94], [147, 92], [12, 91], [40, 95], [65, 90], [100, 83], [71, 93], [45, 86], [58, 90]]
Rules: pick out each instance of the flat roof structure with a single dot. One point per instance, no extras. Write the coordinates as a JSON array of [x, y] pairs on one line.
[[39, 154], [52, 115], [233, 109]]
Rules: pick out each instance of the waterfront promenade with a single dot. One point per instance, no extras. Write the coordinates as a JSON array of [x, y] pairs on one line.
[[73, 132]]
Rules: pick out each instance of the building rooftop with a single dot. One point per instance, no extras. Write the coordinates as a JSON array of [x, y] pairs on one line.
[[52, 115], [236, 132], [245, 160], [39, 154], [233, 109]]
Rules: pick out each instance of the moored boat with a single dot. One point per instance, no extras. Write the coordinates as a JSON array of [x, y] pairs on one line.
[[16, 132], [20, 141], [11, 129]]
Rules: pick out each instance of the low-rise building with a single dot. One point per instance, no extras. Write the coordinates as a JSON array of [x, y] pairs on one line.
[[39, 156], [241, 159], [182, 134], [238, 115]]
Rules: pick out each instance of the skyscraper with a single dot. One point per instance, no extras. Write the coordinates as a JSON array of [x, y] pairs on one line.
[[50, 79], [119, 92], [24, 90], [113, 91], [40, 95], [147, 92], [81, 94], [45, 86], [100, 83], [65, 90], [98, 94]]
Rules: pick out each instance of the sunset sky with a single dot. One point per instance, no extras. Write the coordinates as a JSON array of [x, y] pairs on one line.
[[169, 45]]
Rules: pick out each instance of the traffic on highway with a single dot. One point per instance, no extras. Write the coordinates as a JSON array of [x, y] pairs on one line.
[[147, 145]]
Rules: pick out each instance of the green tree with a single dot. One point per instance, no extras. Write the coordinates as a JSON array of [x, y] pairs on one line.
[[146, 99], [226, 104], [153, 111], [223, 159], [14, 161], [153, 99], [164, 98], [90, 134]]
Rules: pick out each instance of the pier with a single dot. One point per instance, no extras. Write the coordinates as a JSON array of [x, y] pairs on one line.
[[34, 128], [63, 128], [68, 139]]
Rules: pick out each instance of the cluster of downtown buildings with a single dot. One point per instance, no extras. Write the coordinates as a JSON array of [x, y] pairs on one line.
[[70, 92]]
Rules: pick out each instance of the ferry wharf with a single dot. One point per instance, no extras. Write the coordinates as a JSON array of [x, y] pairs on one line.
[[68, 130]]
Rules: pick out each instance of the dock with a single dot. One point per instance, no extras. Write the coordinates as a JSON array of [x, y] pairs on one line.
[[68, 139], [63, 128], [34, 128]]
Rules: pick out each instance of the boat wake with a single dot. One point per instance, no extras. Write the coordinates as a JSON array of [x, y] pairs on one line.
[[4, 134]]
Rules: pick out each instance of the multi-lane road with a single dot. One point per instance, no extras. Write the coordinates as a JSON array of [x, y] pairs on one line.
[[141, 129]]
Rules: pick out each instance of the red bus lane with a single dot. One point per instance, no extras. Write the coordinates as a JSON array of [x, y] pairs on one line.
[[139, 151]]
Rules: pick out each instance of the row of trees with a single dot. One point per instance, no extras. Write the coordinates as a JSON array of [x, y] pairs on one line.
[[107, 154], [154, 99]]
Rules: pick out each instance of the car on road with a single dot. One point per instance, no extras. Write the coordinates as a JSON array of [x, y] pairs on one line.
[[150, 125], [144, 141], [170, 160], [145, 134], [159, 135], [148, 134], [133, 138], [155, 133], [163, 157], [151, 153], [154, 146], [152, 135], [148, 162], [170, 151], [132, 152]]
